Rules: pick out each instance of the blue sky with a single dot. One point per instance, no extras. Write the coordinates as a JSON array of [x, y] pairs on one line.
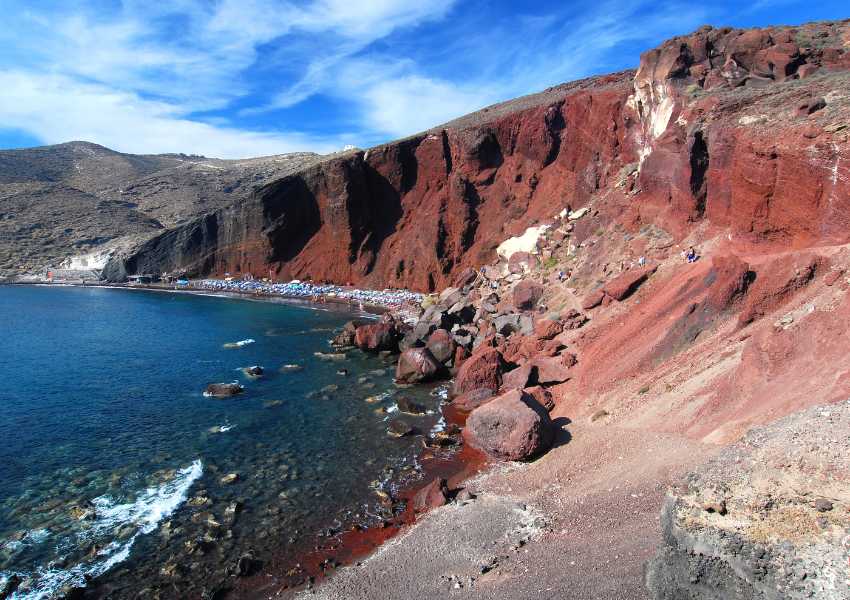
[[237, 78]]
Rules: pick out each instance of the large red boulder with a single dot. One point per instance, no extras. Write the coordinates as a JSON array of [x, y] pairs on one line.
[[551, 370], [442, 345], [481, 370], [625, 284], [527, 294], [517, 378], [377, 337], [593, 299], [417, 365], [513, 426]]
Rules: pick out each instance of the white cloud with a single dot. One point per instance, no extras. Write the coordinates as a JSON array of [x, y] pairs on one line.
[[58, 109]]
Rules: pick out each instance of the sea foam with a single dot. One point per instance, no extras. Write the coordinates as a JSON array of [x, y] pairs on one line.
[[144, 514]]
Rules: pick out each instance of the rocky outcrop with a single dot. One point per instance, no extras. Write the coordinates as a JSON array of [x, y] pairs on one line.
[[513, 426], [223, 390], [767, 519]]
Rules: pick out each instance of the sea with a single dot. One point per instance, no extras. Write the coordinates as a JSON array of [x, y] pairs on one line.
[[118, 474]]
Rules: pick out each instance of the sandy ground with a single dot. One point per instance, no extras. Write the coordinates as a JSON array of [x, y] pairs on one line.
[[578, 523]]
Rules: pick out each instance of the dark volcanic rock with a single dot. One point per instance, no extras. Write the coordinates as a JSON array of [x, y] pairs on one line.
[[398, 428], [406, 405], [513, 426], [223, 390]]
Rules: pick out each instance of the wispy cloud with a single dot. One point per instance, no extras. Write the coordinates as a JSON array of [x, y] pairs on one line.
[[248, 77]]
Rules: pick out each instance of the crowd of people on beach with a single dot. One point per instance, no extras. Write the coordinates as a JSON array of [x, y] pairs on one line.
[[390, 298]]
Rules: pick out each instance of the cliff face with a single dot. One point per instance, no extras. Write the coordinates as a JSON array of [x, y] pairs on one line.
[[729, 131]]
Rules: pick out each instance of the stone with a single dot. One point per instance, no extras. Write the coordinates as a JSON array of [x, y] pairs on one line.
[[527, 293], [518, 378], [254, 372], [506, 324], [469, 401], [406, 405], [417, 365], [398, 428], [593, 299], [625, 284], [464, 496], [546, 329], [481, 370], [223, 390], [433, 495], [550, 370], [542, 395], [441, 345], [229, 478], [513, 426], [376, 337], [823, 505], [464, 278]]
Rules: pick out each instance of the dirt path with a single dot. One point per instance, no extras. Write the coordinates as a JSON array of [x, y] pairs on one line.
[[580, 522]]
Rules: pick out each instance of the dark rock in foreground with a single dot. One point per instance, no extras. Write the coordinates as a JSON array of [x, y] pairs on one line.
[[750, 526]]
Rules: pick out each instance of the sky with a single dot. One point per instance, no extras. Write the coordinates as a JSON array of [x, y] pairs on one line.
[[239, 78]]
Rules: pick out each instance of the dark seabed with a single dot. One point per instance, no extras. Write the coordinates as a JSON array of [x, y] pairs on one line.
[[114, 467]]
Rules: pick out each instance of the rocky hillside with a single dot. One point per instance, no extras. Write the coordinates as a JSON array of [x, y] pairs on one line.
[[738, 135], [766, 519], [84, 200]]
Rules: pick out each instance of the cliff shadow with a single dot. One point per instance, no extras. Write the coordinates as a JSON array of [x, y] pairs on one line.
[[291, 217]]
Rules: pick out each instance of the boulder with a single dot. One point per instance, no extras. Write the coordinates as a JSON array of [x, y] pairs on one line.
[[417, 365], [223, 390], [346, 337], [513, 426], [625, 284], [527, 293], [376, 337], [521, 262], [481, 370], [518, 378], [433, 495], [255, 371], [593, 299], [543, 396], [546, 329], [469, 401], [406, 405], [507, 324], [441, 345], [398, 428], [551, 370]]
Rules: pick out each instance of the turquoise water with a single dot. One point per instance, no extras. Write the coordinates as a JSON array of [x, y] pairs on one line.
[[113, 464]]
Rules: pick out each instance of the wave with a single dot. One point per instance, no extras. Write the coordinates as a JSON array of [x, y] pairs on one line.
[[144, 514], [239, 344]]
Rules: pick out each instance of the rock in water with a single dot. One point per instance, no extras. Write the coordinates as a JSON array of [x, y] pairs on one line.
[[513, 426], [417, 365], [377, 337], [398, 428], [406, 405], [223, 390], [253, 372]]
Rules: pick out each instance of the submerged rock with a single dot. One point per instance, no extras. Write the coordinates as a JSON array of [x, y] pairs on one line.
[[406, 405], [398, 428], [254, 372], [223, 390]]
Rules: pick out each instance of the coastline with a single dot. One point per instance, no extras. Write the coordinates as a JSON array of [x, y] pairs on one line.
[[313, 564], [327, 303]]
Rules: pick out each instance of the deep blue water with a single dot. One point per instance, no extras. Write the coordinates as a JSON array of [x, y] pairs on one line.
[[111, 461]]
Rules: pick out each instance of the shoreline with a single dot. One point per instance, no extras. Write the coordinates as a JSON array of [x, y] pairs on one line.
[[327, 302], [304, 571]]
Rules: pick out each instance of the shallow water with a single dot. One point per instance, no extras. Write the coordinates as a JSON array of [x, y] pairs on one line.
[[113, 464]]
